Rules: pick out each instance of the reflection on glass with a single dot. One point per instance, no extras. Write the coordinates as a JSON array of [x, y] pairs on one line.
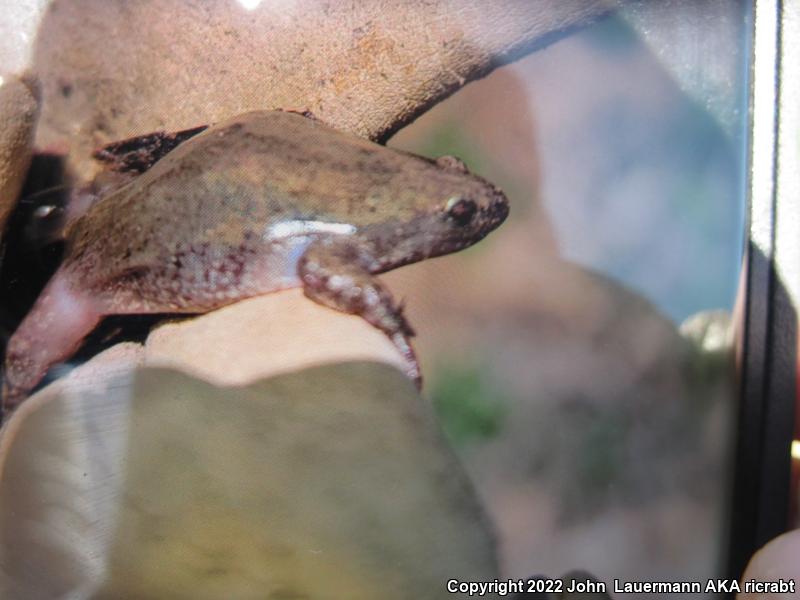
[[582, 363], [579, 359]]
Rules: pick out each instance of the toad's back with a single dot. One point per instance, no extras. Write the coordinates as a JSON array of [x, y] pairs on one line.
[[230, 184], [264, 201]]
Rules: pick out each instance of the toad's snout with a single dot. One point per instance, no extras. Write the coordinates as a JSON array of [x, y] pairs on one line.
[[497, 210]]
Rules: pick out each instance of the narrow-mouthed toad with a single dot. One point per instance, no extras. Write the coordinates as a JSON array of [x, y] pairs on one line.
[[262, 202]]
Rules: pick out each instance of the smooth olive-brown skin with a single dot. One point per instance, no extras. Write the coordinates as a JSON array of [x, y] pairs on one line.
[[262, 202]]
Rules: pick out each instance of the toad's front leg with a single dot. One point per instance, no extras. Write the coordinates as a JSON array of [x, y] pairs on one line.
[[338, 273]]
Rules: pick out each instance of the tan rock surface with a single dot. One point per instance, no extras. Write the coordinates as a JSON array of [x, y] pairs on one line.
[[18, 112], [114, 69], [268, 335]]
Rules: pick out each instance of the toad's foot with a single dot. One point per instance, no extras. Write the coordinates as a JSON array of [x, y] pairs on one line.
[[338, 273], [51, 332], [138, 154]]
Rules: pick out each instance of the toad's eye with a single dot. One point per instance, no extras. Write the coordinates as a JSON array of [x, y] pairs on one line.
[[461, 210]]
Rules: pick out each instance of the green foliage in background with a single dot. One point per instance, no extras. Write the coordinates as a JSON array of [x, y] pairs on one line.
[[470, 404], [600, 449], [450, 138]]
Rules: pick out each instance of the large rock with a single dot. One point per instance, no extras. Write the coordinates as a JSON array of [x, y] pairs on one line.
[[332, 482], [18, 111]]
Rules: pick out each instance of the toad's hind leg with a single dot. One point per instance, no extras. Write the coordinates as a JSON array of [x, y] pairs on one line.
[[138, 154], [52, 331], [337, 273]]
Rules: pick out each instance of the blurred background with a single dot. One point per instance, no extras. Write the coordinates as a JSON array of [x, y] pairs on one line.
[[580, 358]]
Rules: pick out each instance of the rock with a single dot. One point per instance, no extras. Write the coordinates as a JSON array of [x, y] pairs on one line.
[[19, 109], [331, 482]]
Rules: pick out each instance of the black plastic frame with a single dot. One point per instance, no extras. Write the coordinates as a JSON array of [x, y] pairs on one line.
[[768, 346]]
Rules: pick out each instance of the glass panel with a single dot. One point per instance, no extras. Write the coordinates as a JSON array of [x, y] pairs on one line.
[[581, 360]]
